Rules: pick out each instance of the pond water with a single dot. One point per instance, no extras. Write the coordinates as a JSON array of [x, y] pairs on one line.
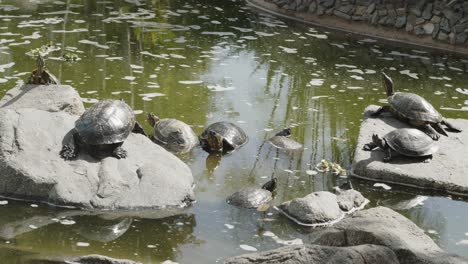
[[206, 61]]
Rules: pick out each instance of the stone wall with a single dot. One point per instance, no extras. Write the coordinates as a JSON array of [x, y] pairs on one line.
[[444, 20]]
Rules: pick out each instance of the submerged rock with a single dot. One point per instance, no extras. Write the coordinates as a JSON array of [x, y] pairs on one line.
[[445, 172], [383, 226], [320, 254], [88, 259], [31, 168]]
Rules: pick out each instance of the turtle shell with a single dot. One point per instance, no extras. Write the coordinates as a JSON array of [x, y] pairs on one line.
[[411, 142], [174, 135], [286, 143], [232, 135], [106, 122], [414, 107], [249, 197]]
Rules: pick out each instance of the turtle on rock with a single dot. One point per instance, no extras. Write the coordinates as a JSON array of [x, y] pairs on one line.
[[40, 75], [414, 110], [101, 131], [222, 137], [172, 134], [409, 142], [282, 140], [254, 197]]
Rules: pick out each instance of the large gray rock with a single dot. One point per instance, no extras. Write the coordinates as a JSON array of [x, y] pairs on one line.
[[31, 168], [383, 226], [314, 209], [447, 171], [88, 259], [311, 254], [52, 98]]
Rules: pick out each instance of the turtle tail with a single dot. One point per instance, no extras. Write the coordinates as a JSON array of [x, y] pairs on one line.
[[451, 127]]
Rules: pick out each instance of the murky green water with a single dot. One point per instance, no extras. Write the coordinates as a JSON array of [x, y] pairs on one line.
[[206, 61]]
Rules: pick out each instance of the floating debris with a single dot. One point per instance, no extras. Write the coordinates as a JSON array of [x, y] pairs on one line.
[[67, 222], [247, 247], [4, 202], [190, 82], [382, 185], [82, 244], [229, 226]]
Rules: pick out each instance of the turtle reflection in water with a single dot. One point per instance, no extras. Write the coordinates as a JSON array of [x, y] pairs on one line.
[[172, 134], [414, 110], [101, 131], [409, 142], [222, 137], [282, 140], [40, 75], [254, 197]]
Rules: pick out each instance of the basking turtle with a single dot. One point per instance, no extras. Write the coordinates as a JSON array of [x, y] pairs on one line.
[[415, 110], [252, 197], [40, 75], [222, 137], [172, 134], [409, 142], [282, 140], [101, 131]]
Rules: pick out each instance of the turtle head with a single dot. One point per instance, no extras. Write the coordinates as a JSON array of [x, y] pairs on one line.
[[388, 84], [284, 133], [270, 185], [215, 141], [40, 64], [152, 119]]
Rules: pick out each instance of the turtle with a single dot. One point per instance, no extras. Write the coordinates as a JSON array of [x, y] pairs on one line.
[[414, 110], [40, 75], [282, 140], [409, 142], [172, 134], [222, 137], [101, 131], [254, 197]]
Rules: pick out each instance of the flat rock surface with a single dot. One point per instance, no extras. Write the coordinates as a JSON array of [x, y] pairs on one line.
[[311, 254], [383, 226], [52, 98], [446, 172], [31, 168]]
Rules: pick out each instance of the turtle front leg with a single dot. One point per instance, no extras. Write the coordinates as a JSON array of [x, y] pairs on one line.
[[430, 132], [119, 153], [388, 155], [385, 108], [70, 149], [369, 146], [439, 129]]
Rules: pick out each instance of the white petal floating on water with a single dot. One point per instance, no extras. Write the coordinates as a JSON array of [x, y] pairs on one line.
[[137, 67], [462, 242], [245, 30], [462, 90], [33, 227], [64, 12], [247, 247], [356, 71], [94, 43], [150, 95], [26, 42], [412, 75], [150, 246], [383, 185], [177, 56], [35, 35], [67, 222], [191, 82], [357, 77], [430, 231], [354, 87], [82, 244], [76, 30], [311, 172], [4, 202], [218, 33], [288, 50], [345, 66], [316, 82], [319, 36], [130, 78], [219, 88], [229, 226], [137, 112]]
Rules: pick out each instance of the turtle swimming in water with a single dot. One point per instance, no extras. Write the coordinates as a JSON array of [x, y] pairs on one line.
[[172, 134], [409, 142], [253, 197], [282, 140], [101, 131], [415, 110], [222, 137], [40, 75]]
